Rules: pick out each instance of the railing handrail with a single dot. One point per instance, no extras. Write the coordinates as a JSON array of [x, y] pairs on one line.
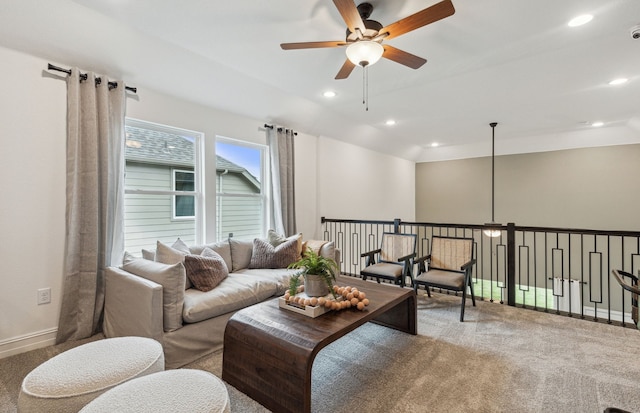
[[621, 233], [522, 259]]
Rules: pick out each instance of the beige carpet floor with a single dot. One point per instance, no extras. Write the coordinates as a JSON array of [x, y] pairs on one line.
[[501, 359]]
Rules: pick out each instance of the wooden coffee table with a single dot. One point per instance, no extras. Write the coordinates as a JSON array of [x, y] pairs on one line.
[[269, 351]]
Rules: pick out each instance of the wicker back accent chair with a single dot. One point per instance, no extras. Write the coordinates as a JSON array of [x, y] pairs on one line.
[[396, 259], [448, 266]]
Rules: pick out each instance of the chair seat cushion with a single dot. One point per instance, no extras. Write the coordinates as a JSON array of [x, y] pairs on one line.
[[441, 278], [383, 269]]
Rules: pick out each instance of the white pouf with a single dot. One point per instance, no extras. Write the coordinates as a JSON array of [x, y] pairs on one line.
[[171, 391], [70, 380]]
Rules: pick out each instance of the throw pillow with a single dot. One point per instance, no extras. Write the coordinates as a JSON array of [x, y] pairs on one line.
[[276, 239], [128, 257], [240, 253], [223, 248], [173, 255], [172, 278], [149, 254], [207, 270], [266, 255]]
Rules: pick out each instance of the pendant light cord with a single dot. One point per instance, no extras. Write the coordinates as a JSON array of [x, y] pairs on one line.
[[493, 157]]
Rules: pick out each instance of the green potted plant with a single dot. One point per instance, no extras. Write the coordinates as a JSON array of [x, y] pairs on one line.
[[319, 274]]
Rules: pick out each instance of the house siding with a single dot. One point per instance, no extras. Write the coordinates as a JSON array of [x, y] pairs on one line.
[[148, 218], [240, 216]]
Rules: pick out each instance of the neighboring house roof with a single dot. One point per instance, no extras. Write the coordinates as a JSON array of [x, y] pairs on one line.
[[163, 148], [155, 147]]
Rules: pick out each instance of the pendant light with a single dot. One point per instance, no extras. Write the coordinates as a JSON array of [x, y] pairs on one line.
[[493, 231]]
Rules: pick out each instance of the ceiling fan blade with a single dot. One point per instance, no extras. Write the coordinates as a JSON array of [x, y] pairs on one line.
[[345, 70], [402, 57], [429, 15], [350, 15], [310, 45]]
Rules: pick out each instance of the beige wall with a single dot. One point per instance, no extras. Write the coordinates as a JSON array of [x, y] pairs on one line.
[[32, 164], [593, 188]]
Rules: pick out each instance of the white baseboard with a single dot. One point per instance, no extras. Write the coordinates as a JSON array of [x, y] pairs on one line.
[[27, 342], [604, 314]]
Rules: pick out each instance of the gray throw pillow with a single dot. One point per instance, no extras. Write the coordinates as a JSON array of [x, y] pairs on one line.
[[173, 255], [205, 271], [240, 253], [266, 255]]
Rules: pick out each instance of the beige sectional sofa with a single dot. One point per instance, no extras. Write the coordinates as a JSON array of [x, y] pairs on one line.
[[154, 299]]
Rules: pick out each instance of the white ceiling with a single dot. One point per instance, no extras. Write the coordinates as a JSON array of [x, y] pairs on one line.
[[515, 62]]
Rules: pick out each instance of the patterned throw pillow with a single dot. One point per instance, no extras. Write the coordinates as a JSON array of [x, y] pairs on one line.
[[276, 239], [266, 255], [205, 271]]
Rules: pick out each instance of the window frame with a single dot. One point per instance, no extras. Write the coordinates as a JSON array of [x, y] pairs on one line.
[[198, 169], [263, 179], [178, 193]]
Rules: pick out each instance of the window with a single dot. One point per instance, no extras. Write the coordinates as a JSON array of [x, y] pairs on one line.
[[240, 193], [163, 196], [184, 206]]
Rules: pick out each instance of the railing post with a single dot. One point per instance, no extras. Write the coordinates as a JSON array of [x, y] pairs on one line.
[[396, 226], [511, 264]]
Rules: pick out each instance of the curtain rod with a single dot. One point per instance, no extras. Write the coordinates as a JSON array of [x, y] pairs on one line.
[[83, 76], [280, 129]]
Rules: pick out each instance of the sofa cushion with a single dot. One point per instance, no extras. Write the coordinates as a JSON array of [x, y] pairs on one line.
[[266, 255], [240, 253], [280, 275], [205, 271], [237, 291], [172, 278], [223, 248]]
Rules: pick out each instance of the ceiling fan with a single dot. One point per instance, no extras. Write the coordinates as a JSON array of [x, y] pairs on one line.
[[364, 37]]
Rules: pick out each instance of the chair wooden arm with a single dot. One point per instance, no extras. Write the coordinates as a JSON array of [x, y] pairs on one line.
[[468, 265], [407, 257], [632, 288], [371, 259], [370, 253], [422, 259]]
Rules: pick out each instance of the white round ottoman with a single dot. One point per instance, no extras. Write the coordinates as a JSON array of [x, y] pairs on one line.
[[171, 391], [70, 380]]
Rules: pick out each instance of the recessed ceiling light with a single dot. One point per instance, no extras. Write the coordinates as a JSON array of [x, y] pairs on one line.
[[435, 144], [390, 122], [620, 81], [580, 20], [597, 124], [329, 94]]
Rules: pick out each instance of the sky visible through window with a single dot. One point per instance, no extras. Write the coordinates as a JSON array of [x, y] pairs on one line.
[[248, 158]]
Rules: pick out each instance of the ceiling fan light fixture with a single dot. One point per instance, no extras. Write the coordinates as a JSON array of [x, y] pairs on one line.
[[364, 52]]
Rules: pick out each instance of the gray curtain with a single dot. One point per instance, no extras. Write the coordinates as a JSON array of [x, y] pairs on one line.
[[95, 195], [282, 162]]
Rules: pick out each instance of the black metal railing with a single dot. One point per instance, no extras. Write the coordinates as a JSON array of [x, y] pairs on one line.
[[564, 271]]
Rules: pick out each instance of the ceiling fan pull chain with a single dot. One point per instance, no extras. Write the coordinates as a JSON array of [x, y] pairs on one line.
[[363, 83], [365, 86]]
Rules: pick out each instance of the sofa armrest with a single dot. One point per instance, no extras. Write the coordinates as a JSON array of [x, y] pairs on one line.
[[132, 306]]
